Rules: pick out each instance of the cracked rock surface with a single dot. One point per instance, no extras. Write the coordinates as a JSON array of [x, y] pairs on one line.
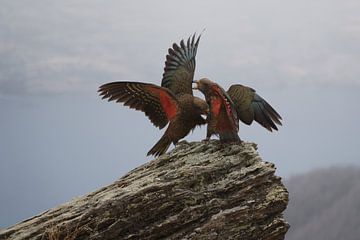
[[197, 191]]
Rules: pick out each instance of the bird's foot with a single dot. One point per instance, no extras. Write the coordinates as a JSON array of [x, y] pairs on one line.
[[181, 142]]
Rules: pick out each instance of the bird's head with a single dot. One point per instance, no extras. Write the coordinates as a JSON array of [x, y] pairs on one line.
[[203, 85], [201, 107]]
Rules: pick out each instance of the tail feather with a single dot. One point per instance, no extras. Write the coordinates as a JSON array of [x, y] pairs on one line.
[[229, 137], [161, 146]]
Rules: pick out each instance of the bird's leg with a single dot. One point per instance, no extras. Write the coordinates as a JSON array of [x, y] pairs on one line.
[[209, 132]]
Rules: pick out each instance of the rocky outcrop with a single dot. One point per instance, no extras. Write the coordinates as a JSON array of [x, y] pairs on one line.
[[197, 191]]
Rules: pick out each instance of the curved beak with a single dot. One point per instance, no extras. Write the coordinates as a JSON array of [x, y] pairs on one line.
[[195, 84]]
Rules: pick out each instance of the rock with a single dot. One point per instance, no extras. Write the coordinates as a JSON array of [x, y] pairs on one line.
[[197, 191]]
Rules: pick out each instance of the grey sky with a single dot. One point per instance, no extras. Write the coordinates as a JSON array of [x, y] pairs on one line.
[[59, 140]]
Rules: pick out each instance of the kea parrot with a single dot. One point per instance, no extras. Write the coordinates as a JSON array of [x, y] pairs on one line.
[[238, 103], [172, 103]]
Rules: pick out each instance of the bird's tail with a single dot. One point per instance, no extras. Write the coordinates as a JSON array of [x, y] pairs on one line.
[[229, 137], [161, 146]]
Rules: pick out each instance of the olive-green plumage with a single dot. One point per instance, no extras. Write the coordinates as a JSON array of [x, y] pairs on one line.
[[250, 106]]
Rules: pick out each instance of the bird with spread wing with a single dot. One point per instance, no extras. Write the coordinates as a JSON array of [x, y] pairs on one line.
[[228, 107], [172, 103]]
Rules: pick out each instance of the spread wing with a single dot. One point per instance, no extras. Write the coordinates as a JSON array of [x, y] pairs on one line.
[[223, 101], [251, 106], [158, 103], [180, 66]]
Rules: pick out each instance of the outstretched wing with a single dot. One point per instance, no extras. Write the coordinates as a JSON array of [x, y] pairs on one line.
[[223, 101], [180, 66], [251, 106], [158, 103]]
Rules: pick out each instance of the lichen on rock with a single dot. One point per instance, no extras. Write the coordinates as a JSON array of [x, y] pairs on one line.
[[199, 190]]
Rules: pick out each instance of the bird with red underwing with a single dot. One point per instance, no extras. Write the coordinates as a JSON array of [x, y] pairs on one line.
[[228, 107], [172, 103]]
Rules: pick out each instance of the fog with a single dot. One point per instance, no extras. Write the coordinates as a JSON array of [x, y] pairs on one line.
[[59, 140]]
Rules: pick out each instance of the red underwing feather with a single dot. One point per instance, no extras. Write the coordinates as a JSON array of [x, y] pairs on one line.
[[215, 106], [230, 111], [167, 102]]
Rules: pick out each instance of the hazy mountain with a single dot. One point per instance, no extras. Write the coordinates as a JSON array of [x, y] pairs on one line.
[[324, 204]]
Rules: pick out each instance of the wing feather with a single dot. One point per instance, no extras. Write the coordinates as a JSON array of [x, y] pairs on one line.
[[242, 97], [228, 105], [158, 103], [251, 106], [180, 66]]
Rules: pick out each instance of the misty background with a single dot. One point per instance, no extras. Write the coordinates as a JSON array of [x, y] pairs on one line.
[[59, 140]]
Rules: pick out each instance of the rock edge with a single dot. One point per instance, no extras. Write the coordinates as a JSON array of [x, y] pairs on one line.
[[197, 191]]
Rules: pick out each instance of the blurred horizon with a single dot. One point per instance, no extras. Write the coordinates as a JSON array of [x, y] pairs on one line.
[[333, 192], [59, 140]]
